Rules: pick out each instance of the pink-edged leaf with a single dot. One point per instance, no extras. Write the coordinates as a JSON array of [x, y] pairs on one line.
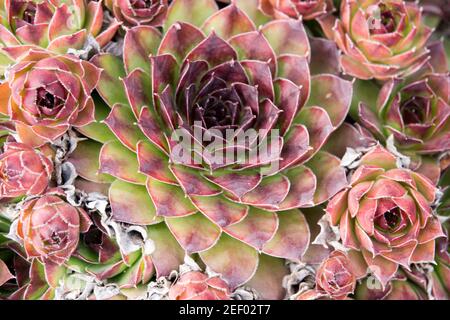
[[296, 146], [5, 274], [270, 193], [33, 34], [169, 200], [382, 268], [355, 195], [402, 255], [287, 37], [330, 176], [63, 43], [168, 254], [254, 46], [432, 231], [303, 186], [268, 278], [164, 68], [63, 21], [122, 123], [213, 50], [228, 22], [154, 163], [337, 206], [120, 162], [256, 229], [234, 260], [150, 126], [365, 215], [138, 88], [139, 43], [220, 210], [94, 17], [347, 232], [324, 56], [259, 75], [296, 69], [237, 183], [180, 39], [54, 274], [424, 253], [355, 68], [333, 94], [97, 130], [108, 34], [365, 173], [288, 100], [292, 237], [193, 183], [195, 233], [318, 123], [131, 203], [424, 186], [384, 188], [110, 87], [381, 158], [37, 285], [369, 119], [85, 158], [192, 11]]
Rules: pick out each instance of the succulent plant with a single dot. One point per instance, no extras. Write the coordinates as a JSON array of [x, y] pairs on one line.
[[379, 39], [386, 216], [229, 149], [335, 278], [232, 78], [47, 93], [51, 24], [414, 110], [24, 171], [50, 228]]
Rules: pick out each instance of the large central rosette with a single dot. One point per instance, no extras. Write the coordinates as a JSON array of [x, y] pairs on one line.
[[218, 75]]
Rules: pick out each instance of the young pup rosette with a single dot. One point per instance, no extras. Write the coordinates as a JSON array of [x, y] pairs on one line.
[[50, 227], [45, 94], [414, 110], [386, 215], [139, 12], [335, 279], [233, 77], [195, 285], [379, 39], [23, 171], [52, 24]]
